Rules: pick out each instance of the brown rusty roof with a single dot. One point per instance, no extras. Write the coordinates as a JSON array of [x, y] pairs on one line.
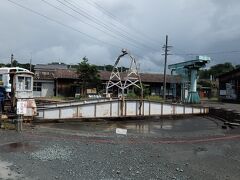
[[57, 74], [44, 76], [156, 78], [50, 66], [104, 75], [65, 74], [145, 77]]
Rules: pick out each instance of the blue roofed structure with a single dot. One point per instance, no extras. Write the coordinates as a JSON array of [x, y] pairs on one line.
[[188, 71]]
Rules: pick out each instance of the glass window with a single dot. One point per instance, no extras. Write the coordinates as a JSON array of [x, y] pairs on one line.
[[37, 86], [20, 83], [24, 83], [28, 83]]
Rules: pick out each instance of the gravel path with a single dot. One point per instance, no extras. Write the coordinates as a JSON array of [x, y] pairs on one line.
[[185, 151]]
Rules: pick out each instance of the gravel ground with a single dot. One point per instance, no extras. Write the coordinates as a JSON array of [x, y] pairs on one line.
[[191, 148]]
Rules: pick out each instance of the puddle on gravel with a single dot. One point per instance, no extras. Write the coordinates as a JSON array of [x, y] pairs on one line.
[[17, 147], [191, 124]]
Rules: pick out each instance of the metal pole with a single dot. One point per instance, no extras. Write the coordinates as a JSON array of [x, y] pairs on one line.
[[165, 67], [19, 123]]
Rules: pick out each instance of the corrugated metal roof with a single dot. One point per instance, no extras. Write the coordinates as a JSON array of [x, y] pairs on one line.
[[50, 66], [145, 77], [65, 74], [104, 75], [57, 74]]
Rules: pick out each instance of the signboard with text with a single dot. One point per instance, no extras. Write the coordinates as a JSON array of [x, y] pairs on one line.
[[21, 107]]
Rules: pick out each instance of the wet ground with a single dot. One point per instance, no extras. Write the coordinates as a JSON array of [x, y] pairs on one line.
[[217, 104], [158, 128], [187, 148]]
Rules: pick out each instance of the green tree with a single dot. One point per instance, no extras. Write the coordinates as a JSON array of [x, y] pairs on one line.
[[216, 70], [221, 69], [137, 92], [17, 64], [237, 66], [14, 64], [108, 67], [88, 76], [204, 74]]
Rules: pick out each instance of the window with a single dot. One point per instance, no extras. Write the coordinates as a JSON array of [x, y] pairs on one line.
[[20, 83], [37, 86], [28, 83], [24, 83]]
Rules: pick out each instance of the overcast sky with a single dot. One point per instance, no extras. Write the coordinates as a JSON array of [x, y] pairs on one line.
[[66, 31]]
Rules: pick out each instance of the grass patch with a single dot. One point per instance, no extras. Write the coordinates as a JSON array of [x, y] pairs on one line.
[[154, 98]]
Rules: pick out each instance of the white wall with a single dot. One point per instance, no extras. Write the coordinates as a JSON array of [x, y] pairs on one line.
[[47, 90]]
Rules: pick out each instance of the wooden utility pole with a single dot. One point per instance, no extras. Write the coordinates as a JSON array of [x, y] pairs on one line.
[[30, 64], [11, 60], [165, 47]]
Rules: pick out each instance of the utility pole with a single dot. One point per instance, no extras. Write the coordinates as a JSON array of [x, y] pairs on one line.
[[165, 47], [11, 60], [30, 64]]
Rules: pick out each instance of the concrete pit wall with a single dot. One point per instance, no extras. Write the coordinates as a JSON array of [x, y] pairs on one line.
[[226, 115], [116, 108]]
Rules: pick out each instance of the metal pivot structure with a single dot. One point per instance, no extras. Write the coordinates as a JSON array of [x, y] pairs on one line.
[[189, 71], [115, 77], [130, 78]]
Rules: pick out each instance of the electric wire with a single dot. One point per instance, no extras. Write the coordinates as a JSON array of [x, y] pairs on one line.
[[112, 16], [85, 14], [209, 53], [93, 20], [118, 24], [60, 23], [92, 26], [95, 39]]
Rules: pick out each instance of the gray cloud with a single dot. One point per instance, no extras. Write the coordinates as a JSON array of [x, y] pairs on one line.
[[193, 27]]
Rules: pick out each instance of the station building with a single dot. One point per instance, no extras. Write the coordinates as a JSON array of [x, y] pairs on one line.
[[54, 79], [58, 80], [229, 86], [152, 81]]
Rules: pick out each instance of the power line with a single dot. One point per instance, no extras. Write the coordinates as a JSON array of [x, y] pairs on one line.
[[113, 17], [209, 53], [61, 10], [62, 24], [4, 58], [117, 20], [101, 23], [92, 19]]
